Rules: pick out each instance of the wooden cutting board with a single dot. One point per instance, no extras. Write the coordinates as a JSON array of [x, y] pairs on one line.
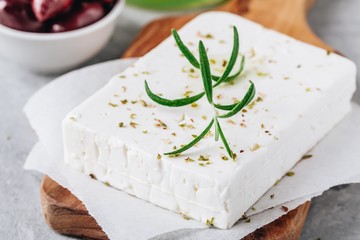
[[67, 215]]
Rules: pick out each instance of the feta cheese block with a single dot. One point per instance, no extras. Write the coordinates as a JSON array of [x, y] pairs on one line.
[[119, 135]]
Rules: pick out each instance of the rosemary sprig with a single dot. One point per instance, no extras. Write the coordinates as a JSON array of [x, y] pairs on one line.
[[207, 78], [223, 78]]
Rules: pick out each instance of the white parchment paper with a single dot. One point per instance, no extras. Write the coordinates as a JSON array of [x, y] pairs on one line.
[[336, 160]]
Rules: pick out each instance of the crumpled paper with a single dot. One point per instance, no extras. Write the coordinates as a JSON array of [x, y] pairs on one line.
[[335, 160]]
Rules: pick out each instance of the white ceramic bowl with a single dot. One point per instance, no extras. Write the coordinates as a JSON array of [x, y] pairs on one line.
[[57, 52]]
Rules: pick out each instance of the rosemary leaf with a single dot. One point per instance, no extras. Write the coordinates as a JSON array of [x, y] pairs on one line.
[[233, 58], [172, 103], [222, 136], [185, 50], [216, 129], [205, 72], [193, 142], [232, 77], [249, 96], [225, 107]]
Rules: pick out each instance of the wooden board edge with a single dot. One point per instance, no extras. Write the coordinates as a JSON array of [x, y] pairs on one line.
[[70, 217]]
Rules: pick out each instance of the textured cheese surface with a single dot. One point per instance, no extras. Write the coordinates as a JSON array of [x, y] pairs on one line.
[[302, 92]]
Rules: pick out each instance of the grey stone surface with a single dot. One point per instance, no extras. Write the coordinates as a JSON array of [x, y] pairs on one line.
[[334, 215]]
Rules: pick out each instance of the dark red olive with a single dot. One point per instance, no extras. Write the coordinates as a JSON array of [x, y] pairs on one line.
[[80, 16], [18, 14], [46, 9]]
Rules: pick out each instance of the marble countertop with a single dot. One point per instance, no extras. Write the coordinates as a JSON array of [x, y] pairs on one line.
[[334, 215]]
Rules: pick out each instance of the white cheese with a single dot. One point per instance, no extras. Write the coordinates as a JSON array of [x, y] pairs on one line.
[[302, 92]]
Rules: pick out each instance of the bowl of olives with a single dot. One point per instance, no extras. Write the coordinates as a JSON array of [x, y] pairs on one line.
[[52, 36]]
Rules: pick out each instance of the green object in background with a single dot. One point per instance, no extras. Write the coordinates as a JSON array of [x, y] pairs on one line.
[[174, 4]]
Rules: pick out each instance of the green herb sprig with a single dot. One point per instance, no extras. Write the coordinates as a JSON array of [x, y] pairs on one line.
[[207, 78], [218, 79]]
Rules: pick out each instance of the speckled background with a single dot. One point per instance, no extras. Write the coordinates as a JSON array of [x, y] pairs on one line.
[[334, 215]]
